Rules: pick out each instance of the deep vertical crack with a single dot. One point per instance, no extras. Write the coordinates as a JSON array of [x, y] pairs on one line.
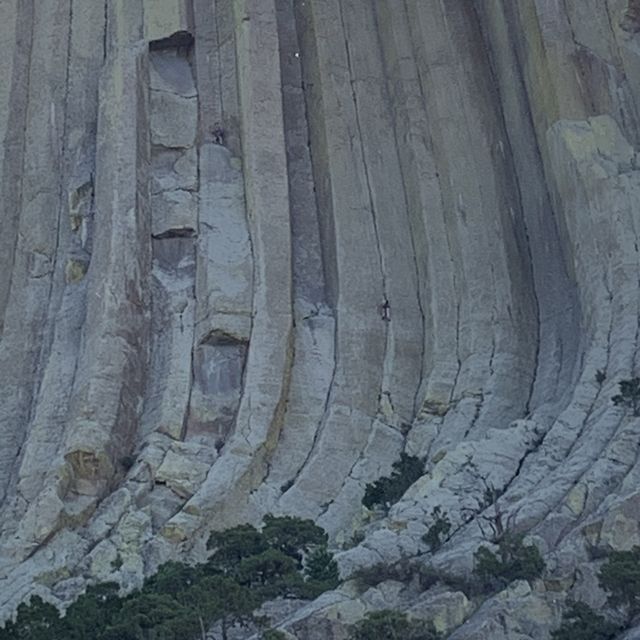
[[414, 253]]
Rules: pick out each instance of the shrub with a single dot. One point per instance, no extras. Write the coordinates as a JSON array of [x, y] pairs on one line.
[[620, 576], [273, 634], [392, 625], [581, 622], [428, 577], [371, 576], [514, 561], [320, 567], [388, 490], [629, 396], [439, 530]]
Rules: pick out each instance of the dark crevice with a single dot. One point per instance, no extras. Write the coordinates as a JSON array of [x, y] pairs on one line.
[[181, 40], [187, 232]]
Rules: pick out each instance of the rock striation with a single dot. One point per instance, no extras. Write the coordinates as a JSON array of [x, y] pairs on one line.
[[207, 204]]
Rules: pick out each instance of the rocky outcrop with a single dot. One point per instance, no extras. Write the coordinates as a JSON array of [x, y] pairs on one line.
[[255, 249]]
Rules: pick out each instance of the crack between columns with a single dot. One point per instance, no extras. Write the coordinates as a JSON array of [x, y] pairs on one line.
[[303, 97], [413, 244], [365, 167], [522, 216], [50, 318], [323, 421], [21, 196], [105, 33], [218, 56], [454, 277], [476, 415]]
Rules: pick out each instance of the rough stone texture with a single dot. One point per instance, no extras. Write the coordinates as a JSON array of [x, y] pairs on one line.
[[205, 205]]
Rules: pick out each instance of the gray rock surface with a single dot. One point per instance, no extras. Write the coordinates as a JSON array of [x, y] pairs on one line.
[[206, 205]]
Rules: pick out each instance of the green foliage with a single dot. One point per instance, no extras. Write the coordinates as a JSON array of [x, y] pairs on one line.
[[268, 573], [287, 558], [620, 576], [439, 530], [92, 610], [273, 634], [149, 615], [377, 573], [292, 536], [321, 567], [321, 572], [428, 577], [388, 490], [232, 545], [392, 625], [173, 579], [581, 622], [514, 561], [629, 396], [37, 620]]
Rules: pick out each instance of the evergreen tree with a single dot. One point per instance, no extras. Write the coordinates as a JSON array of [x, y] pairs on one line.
[[232, 545], [439, 530], [581, 622], [629, 395], [620, 576], [181, 602], [321, 567], [514, 561], [388, 490], [292, 536], [93, 611], [266, 572], [173, 579], [37, 620], [392, 625]]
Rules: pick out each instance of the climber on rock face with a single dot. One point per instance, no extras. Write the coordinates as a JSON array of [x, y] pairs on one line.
[[218, 134], [385, 310]]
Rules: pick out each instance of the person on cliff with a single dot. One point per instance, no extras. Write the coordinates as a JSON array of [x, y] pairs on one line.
[[385, 310], [218, 134]]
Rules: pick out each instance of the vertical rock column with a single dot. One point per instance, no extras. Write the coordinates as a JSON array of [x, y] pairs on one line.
[[585, 131], [173, 121], [351, 260], [30, 208], [376, 364], [112, 368], [224, 280], [244, 459], [67, 304], [496, 310], [16, 30], [314, 324]]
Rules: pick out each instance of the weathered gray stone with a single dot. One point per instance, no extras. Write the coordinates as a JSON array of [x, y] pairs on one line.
[[182, 473], [253, 250], [447, 610]]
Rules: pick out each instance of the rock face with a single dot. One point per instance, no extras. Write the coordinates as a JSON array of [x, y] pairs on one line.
[[206, 206]]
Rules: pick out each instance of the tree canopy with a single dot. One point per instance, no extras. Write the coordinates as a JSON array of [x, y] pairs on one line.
[[288, 557]]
